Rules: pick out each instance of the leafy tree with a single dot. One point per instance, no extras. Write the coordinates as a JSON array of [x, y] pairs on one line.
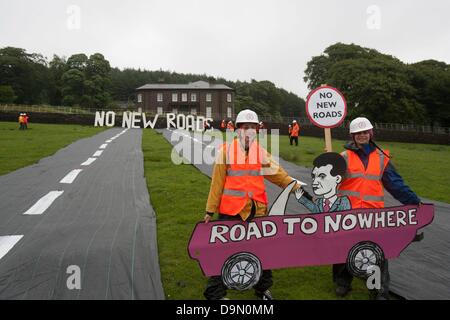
[[374, 84], [25, 73], [57, 67], [7, 94]]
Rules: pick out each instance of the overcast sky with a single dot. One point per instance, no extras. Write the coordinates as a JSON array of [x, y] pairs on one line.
[[235, 39]]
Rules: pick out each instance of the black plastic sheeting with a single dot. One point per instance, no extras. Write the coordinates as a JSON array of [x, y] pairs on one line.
[[421, 272], [103, 224]]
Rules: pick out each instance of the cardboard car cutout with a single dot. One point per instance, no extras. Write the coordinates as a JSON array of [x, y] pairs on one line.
[[361, 238]]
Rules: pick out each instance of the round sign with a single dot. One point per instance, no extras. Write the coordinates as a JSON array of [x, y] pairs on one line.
[[326, 107]]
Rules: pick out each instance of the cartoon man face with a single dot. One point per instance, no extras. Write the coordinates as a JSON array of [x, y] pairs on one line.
[[324, 183]]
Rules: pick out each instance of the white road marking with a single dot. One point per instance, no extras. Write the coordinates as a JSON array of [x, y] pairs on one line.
[[70, 177], [108, 141], [43, 203], [7, 243], [98, 153], [88, 161], [103, 146]]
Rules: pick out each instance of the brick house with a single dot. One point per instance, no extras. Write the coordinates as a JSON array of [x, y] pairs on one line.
[[196, 98]]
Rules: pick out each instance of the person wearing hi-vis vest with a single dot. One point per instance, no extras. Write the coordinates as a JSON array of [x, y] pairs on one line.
[[238, 192], [294, 132], [369, 170]]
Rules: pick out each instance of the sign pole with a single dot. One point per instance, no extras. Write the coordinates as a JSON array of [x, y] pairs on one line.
[[328, 145], [327, 133]]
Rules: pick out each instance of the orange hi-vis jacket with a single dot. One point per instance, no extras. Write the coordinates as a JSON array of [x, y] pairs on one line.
[[295, 130], [244, 178], [363, 186]]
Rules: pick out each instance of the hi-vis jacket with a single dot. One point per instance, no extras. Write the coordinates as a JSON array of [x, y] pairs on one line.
[[238, 180], [390, 179], [295, 130], [363, 185]]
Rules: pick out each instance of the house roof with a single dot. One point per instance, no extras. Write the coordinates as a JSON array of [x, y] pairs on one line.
[[192, 85]]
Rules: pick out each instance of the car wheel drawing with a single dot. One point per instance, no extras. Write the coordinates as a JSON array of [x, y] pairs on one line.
[[362, 256], [241, 271]]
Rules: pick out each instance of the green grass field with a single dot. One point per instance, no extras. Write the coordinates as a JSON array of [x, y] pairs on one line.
[[178, 195], [19, 149]]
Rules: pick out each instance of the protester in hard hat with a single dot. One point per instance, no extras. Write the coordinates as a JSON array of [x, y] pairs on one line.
[[290, 132], [369, 170], [25, 121], [238, 191], [21, 119], [294, 133]]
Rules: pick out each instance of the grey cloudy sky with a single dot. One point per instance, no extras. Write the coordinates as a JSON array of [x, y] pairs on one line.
[[235, 39]]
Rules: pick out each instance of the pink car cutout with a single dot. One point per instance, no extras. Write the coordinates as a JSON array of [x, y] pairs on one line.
[[361, 238]]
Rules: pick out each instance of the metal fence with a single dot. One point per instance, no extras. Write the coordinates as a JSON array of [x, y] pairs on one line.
[[303, 121]]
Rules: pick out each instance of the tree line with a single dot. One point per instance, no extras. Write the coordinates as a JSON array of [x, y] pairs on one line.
[[375, 85], [382, 87]]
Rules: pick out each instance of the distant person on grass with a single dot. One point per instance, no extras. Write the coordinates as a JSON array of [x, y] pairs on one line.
[[294, 133], [21, 121], [25, 121]]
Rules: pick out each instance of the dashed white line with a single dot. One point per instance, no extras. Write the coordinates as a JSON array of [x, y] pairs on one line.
[[98, 153], [103, 146], [43, 203], [88, 161], [70, 177], [108, 141], [7, 243]]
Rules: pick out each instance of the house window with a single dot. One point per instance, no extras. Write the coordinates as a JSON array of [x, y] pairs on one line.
[[208, 112], [229, 115], [228, 97], [139, 98], [175, 110], [174, 97], [208, 97], [184, 97], [159, 97], [159, 110], [194, 111], [193, 97]]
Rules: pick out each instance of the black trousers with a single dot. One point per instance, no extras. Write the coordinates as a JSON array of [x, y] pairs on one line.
[[343, 278], [216, 289], [294, 139]]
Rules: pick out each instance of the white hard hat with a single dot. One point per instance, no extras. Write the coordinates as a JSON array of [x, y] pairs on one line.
[[360, 124], [247, 116], [294, 121]]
